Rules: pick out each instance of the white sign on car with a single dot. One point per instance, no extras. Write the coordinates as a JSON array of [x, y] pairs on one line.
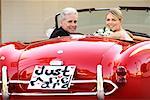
[[51, 77]]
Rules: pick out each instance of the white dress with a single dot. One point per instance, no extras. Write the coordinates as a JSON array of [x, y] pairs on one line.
[[122, 34]]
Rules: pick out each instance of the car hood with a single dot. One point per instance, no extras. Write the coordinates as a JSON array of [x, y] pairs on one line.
[[86, 54]]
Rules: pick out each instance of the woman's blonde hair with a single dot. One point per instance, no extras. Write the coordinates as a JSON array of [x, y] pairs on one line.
[[116, 12]]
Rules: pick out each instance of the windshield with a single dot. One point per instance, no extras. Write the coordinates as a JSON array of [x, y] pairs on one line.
[[134, 20]]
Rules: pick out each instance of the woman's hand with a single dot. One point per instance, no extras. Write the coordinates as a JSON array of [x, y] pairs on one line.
[[117, 35]]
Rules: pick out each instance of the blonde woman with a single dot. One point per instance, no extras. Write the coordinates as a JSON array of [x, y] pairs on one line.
[[114, 29]]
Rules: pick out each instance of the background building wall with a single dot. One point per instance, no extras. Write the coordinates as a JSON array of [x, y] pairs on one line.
[[27, 20], [0, 22]]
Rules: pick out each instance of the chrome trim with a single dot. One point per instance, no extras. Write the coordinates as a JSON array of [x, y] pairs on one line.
[[56, 62], [2, 57], [60, 51], [84, 81], [73, 81], [100, 88], [53, 94], [19, 81], [113, 84], [5, 94]]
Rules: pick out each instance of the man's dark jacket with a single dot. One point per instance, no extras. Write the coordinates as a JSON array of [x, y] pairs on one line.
[[59, 32]]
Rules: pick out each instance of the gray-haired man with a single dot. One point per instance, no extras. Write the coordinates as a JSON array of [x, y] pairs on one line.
[[68, 23]]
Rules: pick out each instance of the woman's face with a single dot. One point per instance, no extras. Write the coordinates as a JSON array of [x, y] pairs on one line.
[[113, 22]]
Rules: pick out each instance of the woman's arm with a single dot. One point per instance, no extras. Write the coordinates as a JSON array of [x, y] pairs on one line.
[[140, 38]]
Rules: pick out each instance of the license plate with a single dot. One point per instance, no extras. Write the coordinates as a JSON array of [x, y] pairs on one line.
[[51, 77]]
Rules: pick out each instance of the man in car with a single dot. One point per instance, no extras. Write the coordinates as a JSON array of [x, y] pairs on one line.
[[68, 23]]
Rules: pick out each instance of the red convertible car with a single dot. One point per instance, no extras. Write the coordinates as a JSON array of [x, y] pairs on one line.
[[68, 68]]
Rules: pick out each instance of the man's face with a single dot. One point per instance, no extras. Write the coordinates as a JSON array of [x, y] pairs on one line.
[[69, 23], [113, 22]]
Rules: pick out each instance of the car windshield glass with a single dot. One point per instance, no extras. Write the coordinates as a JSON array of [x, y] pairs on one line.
[[134, 20]]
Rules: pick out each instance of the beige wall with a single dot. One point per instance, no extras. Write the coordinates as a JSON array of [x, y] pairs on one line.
[[27, 20], [0, 22]]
